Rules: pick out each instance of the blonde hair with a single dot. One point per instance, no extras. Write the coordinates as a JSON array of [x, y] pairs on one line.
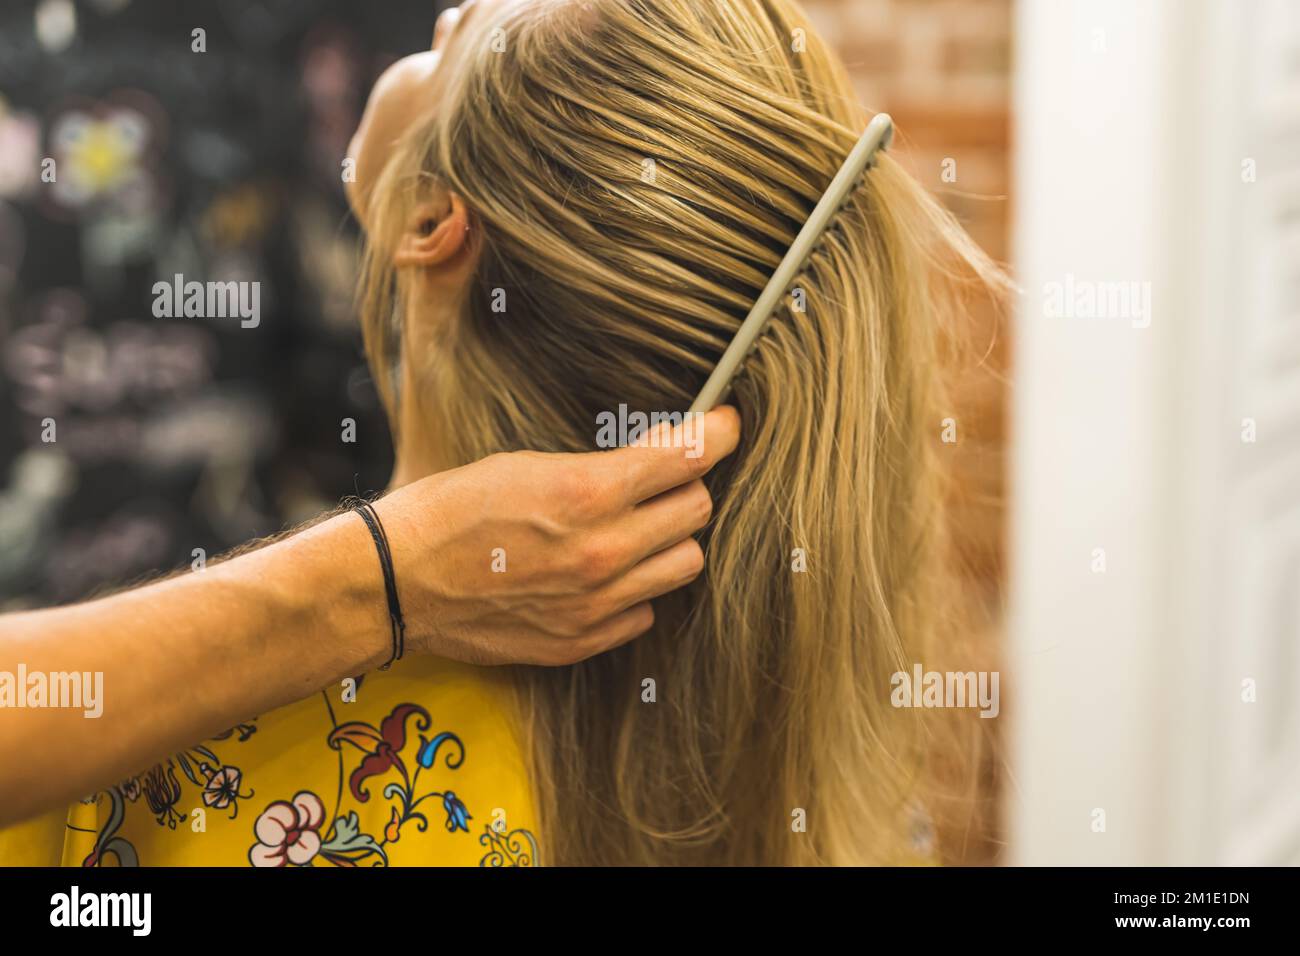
[[772, 683]]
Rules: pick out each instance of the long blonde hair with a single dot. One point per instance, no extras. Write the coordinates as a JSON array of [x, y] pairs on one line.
[[636, 168]]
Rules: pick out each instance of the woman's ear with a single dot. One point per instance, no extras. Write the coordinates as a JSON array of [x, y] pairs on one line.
[[435, 234]]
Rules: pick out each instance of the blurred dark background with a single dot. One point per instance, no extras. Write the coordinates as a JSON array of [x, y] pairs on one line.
[[176, 434]]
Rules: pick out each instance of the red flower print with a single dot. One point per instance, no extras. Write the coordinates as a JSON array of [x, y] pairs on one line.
[[382, 747], [288, 833]]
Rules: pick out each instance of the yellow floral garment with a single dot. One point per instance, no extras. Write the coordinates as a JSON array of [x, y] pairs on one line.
[[423, 768]]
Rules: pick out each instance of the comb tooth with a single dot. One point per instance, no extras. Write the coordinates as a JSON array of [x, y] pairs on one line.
[[877, 136]]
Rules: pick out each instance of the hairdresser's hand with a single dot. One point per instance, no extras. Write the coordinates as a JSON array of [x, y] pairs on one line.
[[549, 559], [587, 541]]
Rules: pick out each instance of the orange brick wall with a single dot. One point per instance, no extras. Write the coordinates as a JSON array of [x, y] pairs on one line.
[[942, 69]]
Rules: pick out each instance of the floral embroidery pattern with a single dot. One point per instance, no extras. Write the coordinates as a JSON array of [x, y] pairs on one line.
[[162, 790], [203, 768], [516, 848], [288, 833], [383, 749], [222, 789], [398, 754], [107, 842]]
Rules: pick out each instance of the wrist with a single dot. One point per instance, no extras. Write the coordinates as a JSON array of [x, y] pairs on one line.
[[418, 534], [345, 600]]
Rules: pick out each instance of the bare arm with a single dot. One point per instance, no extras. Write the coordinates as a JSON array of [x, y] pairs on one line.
[[588, 540]]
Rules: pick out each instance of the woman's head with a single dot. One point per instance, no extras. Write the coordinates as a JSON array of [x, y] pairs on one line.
[[579, 218]]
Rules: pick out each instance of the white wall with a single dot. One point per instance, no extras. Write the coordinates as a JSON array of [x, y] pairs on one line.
[[1132, 121]]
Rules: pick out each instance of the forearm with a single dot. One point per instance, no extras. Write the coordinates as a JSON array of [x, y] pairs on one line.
[[187, 658], [591, 540]]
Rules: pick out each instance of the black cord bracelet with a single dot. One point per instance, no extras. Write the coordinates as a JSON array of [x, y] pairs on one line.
[[398, 625]]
